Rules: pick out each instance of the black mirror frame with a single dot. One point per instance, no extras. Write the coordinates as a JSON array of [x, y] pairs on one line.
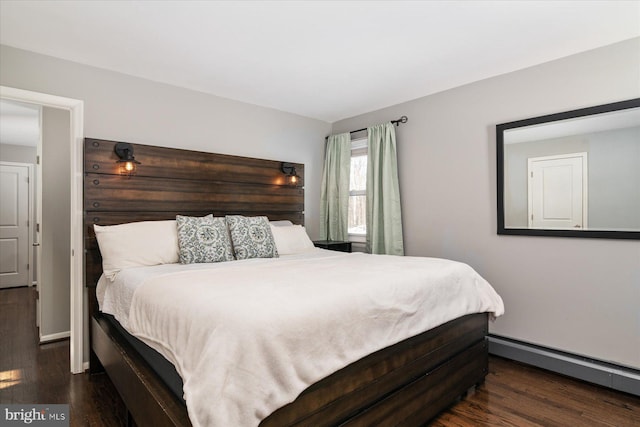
[[599, 109]]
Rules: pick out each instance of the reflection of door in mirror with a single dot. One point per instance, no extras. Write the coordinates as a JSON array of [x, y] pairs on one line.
[[557, 191]]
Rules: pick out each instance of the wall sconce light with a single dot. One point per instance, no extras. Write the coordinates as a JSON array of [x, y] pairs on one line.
[[289, 170], [126, 162]]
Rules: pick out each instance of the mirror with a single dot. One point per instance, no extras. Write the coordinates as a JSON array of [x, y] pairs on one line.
[[571, 174]]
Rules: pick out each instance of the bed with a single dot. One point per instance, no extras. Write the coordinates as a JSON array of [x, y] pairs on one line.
[[403, 382]]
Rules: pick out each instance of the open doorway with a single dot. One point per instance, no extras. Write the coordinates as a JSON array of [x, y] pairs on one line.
[[35, 219], [71, 179]]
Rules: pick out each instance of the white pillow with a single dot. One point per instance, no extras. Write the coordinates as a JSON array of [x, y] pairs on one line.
[[281, 223], [137, 244], [291, 240]]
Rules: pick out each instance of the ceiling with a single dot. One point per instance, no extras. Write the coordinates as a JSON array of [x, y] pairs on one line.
[[327, 60]]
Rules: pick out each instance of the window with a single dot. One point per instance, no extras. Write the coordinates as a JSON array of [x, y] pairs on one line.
[[357, 224]]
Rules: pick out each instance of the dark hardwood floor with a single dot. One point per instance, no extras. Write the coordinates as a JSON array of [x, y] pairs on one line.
[[512, 395]]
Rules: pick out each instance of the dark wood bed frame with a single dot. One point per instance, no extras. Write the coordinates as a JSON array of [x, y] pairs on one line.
[[405, 384]]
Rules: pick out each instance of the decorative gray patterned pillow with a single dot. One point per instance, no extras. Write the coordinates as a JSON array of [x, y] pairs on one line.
[[203, 239], [251, 237]]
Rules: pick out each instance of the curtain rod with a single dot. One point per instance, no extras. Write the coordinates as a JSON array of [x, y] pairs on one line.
[[402, 119]]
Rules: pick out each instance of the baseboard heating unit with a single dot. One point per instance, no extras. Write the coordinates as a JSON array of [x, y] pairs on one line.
[[617, 377]]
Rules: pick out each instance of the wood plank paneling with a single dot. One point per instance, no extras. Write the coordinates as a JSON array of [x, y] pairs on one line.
[[161, 162], [171, 182], [145, 194]]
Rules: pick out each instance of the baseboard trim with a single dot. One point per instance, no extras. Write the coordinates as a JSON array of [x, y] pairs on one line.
[[54, 337], [609, 375]]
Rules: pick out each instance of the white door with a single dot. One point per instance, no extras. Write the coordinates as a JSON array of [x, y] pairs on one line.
[[558, 192], [14, 225]]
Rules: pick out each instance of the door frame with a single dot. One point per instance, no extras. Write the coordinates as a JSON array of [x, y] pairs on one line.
[[77, 292], [30, 203]]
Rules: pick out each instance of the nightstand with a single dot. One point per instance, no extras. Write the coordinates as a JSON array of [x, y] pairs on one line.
[[333, 245]]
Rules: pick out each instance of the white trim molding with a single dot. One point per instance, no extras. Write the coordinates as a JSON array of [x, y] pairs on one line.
[[54, 337], [76, 112]]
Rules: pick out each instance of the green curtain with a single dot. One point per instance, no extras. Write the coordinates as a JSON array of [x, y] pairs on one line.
[[334, 193], [384, 216]]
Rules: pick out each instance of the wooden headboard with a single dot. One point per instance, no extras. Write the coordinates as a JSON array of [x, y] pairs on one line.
[[171, 181]]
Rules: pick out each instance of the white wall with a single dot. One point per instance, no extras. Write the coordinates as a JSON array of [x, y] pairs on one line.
[[54, 284], [577, 295]]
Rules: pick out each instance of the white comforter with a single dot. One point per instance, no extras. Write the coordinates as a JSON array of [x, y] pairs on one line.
[[249, 336]]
